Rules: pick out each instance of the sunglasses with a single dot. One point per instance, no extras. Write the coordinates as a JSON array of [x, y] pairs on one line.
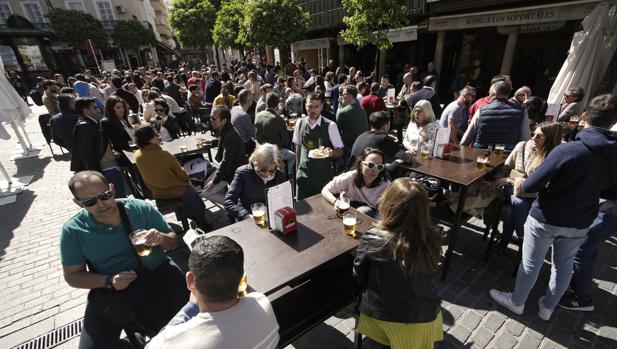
[[159, 110], [89, 202], [371, 165]]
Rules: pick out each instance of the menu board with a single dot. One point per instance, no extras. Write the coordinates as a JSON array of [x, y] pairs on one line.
[[277, 197]]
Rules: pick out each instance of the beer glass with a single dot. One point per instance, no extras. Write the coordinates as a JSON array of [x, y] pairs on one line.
[[342, 204], [138, 239], [499, 149], [349, 223], [243, 286], [413, 143], [258, 210], [425, 151], [481, 162]]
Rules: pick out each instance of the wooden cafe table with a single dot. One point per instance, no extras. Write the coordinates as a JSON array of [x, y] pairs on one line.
[[287, 269], [459, 169]]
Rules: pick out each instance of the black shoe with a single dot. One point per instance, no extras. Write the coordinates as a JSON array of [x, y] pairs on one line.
[[571, 301]]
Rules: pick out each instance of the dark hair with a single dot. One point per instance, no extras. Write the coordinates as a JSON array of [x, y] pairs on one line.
[[244, 96], [379, 119], [192, 88], [404, 213], [500, 77], [224, 113], [429, 80], [84, 176], [272, 100], [502, 89], [351, 90], [80, 77], [144, 135], [359, 180], [217, 263], [602, 111], [110, 103], [416, 86], [153, 94], [117, 82], [341, 79], [315, 96], [48, 83], [577, 92], [67, 90], [162, 102], [64, 101], [374, 87], [82, 103]]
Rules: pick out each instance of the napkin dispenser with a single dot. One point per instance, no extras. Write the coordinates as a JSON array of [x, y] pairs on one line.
[[285, 220], [443, 151]]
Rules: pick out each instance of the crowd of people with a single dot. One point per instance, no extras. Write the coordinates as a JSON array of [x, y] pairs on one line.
[[271, 121]]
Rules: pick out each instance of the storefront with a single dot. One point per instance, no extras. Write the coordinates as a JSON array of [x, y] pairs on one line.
[[529, 43], [26, 49], [316, 52]]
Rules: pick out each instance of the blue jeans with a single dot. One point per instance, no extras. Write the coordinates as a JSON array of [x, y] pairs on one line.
[[514, 214], [114, 175], [603, 227], [538, 238]]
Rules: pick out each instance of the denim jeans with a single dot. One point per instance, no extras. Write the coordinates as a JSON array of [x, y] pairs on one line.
[[193, 206], [603, 227], [514, 214], [114, 175], [289, 157], [538, 238]]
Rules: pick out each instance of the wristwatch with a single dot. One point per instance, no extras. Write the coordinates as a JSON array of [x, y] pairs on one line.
[[108, 282]]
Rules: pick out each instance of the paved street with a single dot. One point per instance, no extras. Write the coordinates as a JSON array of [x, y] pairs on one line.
[[36, 300]]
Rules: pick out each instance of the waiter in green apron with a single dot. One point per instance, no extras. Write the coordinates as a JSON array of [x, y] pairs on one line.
[[311, 133]]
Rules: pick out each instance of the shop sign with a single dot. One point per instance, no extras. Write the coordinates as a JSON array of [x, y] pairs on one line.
[[531, 15], [531, 28], [311, 44], [403, 34]]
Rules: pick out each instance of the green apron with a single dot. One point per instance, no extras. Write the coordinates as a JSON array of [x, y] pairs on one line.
[[313, 174]]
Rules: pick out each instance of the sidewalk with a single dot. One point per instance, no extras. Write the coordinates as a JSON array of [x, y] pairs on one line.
[[37, 300]]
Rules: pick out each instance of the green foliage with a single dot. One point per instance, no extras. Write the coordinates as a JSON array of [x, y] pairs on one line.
[[275, 23], [192, 21], [229, 20], [75, 27], [132, 34], [368, 21]]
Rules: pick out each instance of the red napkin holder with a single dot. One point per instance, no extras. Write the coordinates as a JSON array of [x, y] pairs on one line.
[[285, 220]]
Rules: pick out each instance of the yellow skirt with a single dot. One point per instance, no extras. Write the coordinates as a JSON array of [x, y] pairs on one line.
[[400, 335]]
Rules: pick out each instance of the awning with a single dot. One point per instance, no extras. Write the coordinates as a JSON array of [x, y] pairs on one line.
[[169, 49], [556, 12], [311, 44]]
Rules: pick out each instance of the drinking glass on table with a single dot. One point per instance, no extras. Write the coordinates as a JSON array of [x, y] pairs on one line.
[[342, 204], [414, 144], [138, 239], [481, 162], [499, 149], [258, 210], [349, 223], [425, 152]]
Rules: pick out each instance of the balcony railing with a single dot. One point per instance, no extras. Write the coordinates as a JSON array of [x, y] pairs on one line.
[[39, 26]]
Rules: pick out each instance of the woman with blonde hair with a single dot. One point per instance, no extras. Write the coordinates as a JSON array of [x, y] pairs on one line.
[[526, 157], [422, 128], [395, 266], [250, 181]]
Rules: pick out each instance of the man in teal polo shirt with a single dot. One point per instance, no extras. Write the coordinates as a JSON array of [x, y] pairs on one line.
[[127, 291]]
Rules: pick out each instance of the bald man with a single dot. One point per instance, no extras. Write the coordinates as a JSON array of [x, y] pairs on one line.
[[406, 89], [127, 290]]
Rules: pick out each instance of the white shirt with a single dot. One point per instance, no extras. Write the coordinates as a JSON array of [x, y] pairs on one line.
[[173, 105], [335, 136], [250, 324], [149, 112]]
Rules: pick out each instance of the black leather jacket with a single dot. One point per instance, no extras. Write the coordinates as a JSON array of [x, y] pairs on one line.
[[89, 145], [388, 293]]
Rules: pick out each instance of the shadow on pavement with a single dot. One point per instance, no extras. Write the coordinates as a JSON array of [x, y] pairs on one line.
[[11, 216]]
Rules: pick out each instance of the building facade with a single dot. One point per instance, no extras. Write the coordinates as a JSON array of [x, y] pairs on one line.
[[528, 39], [27, 43]]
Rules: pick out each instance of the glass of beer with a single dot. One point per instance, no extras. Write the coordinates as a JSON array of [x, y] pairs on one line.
[[349, 222], [258, 210], [243, 286], [342, 204], [184, 148], [425, 151], [499, 149], [481, 162], [138, 239]]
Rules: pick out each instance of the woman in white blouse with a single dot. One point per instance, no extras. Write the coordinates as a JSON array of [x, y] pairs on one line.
[[364, 185], [422, 128]]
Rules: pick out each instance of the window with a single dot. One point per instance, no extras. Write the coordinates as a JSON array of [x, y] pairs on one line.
[[5, 11], [32, 11], [77, 5], [105, 11]]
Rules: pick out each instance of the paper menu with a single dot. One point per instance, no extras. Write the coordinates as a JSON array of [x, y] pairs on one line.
[[277, 197], [442, 137], [391, 93]]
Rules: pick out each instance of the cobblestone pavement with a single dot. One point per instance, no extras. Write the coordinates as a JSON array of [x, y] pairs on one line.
[[35, 299]]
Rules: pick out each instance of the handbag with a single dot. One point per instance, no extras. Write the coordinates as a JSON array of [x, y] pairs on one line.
[[36, 96], [433, 186]]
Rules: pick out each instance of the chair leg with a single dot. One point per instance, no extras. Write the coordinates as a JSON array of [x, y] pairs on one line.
[[51, 149], [486, 230]]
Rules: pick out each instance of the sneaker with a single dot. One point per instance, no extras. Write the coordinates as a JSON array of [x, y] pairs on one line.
[[544, 313], [572, 302], [505, 300]]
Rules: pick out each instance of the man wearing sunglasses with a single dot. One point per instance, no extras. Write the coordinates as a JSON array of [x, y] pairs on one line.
[[148, 289]]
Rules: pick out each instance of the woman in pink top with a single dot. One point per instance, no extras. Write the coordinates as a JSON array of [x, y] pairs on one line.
[[364, 185]]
